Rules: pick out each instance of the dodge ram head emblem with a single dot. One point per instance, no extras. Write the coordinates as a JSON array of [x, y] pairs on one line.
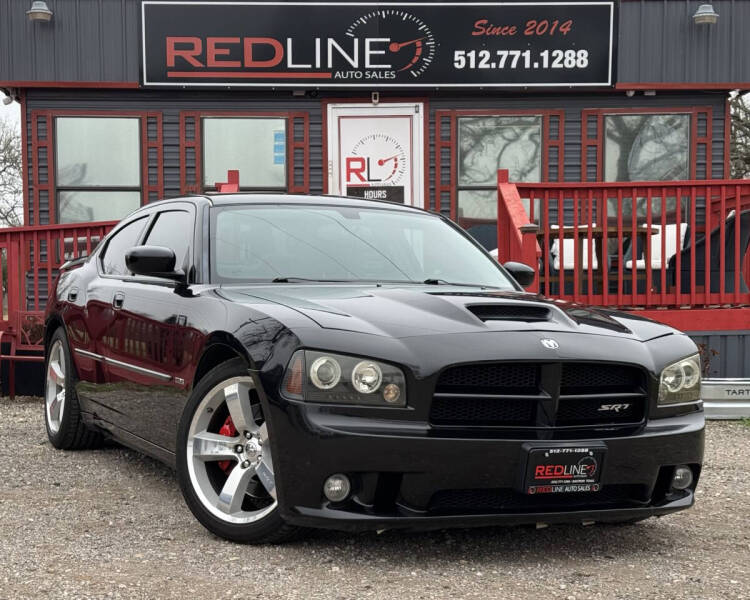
[[550, 344]]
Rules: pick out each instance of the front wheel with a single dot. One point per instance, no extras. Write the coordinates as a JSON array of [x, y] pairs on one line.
[[224, 462]]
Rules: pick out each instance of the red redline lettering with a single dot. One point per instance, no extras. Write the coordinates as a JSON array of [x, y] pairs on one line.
[[187, 54], [246, 75], [212, 52], [278, 49]]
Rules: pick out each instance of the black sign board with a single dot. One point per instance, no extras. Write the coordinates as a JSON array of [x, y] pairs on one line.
[[391, 193], [378, 45]]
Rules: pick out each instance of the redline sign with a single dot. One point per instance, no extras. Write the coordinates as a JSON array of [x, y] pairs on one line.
[[377, 45]]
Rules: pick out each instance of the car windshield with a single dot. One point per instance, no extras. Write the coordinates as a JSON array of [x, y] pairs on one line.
[[289, 243]]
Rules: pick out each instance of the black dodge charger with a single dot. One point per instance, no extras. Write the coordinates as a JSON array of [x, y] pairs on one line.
[[341, 363]]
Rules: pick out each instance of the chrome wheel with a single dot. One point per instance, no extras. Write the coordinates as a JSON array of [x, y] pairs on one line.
[[228, 454], [55, 387]]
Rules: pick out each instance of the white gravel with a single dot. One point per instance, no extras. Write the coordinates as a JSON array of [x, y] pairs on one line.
[[112, 524]]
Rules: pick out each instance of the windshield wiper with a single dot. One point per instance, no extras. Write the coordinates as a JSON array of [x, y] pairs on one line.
[[301, 279], [444, 282]]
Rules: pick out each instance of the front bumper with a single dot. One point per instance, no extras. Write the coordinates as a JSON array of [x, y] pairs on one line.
[[410, 476]]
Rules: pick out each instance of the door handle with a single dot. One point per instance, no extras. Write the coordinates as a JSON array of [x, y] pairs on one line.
[[118, 300]]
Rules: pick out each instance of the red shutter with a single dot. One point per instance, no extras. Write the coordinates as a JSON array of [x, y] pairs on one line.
[[152, 157], [42, 169]]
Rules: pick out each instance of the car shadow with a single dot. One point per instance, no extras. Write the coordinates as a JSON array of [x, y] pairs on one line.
[[398, 547], [504, 544]]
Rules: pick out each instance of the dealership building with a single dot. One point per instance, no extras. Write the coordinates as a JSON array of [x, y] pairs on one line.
[[127, 101]]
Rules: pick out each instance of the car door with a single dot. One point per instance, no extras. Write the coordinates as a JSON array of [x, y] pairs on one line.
[[146, 359], [91, 317]]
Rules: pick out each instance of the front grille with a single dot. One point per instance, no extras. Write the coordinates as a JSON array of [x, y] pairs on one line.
[[591, 411], [492, 378], [509, 500], [601, 394], [487, 411], [518, 394], [588, 378]]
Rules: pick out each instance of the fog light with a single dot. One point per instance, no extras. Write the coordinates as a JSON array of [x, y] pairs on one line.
[[391, 393], [682, 477], [337, 487]]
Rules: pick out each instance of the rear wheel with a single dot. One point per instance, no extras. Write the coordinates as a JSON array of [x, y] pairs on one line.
[[62, 413], [224, 462]]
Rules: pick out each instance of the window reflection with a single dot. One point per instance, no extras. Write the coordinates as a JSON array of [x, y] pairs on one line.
[[646, 147], [81, 206], [486, 144], [97, 168], [256, 147]]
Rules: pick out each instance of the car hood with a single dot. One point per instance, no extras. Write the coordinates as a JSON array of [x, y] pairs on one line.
[[417, 310]]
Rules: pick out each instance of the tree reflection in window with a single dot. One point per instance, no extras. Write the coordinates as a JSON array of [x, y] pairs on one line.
[[486, 144], [646, 147]]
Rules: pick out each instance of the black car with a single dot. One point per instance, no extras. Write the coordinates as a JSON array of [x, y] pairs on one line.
[[351, 364]]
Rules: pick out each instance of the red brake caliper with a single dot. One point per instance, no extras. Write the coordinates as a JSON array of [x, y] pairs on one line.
[[229, 430]]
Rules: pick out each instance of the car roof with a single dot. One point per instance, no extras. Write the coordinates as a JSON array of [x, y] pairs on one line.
[[229, 199]]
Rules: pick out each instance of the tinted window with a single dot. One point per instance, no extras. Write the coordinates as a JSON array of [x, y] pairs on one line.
[[173, 229], [113, 261], [260, 243]]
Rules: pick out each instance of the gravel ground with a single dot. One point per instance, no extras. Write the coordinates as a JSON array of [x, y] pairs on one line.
[[112, 523]]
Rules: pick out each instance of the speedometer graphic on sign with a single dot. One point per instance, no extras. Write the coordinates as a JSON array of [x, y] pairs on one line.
[[383, 160], [411, 44]]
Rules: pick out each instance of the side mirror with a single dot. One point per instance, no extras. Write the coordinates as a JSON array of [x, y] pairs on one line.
[[522, 273], [153, 261]]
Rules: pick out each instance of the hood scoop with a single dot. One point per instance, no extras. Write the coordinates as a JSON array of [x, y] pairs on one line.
[[509, 312]]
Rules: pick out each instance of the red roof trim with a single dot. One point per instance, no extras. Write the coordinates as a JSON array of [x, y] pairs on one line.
[[661, 85]]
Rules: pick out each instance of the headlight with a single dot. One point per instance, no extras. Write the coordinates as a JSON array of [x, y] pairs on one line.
[[680, 383], [366, 377], [325, 373], [335, 378]]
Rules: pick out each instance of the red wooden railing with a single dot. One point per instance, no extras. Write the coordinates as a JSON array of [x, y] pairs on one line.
[[31, 257], [519, 242], [643, 244], [36, 253]]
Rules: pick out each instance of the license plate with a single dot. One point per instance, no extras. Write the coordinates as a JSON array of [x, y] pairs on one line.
[[563, 469]]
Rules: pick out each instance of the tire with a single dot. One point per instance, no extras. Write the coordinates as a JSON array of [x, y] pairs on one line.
[[224, 464], [62, 412]]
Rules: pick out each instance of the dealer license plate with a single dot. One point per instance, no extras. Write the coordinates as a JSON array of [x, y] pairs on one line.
[[563, 469]]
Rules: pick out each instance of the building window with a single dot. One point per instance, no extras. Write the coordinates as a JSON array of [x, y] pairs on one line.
[[489, 143], [255, 146], [646, 147], [98, 168]]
